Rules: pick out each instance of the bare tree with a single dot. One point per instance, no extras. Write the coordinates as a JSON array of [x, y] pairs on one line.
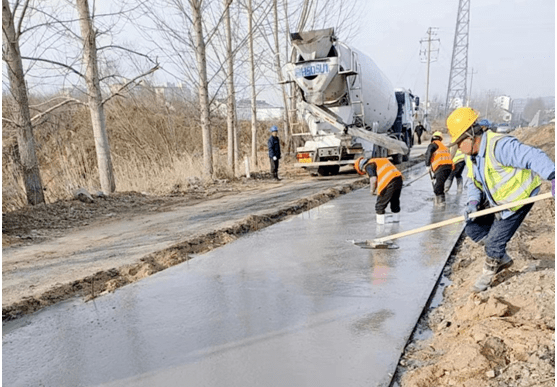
[[25, 139], [203, 90], [251, 33], [233, 158], [94, 96], [286, 118]]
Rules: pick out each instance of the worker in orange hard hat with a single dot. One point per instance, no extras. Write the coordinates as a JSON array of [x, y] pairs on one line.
[[501, 170], [386, 180], [438, 157]]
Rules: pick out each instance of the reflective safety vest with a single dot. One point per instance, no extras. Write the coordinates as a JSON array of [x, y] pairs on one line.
[[505, 184], [385, 172], [441, 156], [458, 157]]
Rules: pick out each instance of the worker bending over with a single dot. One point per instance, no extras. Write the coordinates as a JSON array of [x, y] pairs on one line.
[[385, 180], [459, 164], [500, 170], [438, 157]]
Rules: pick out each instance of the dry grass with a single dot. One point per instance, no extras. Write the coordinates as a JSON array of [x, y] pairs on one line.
[[155, 147]]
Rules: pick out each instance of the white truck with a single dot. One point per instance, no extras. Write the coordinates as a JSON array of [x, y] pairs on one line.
[[348, 104]]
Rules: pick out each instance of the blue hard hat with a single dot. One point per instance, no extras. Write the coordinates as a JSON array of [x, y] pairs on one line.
[[485, 122], [274, 128]]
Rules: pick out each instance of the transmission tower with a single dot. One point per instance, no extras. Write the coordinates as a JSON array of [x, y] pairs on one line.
[[456, 93]]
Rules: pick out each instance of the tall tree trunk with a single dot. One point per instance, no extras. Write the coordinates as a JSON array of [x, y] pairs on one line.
[[94, 96], [286, 119], [231, 100], [25, 139], [203, 89], [252, 84]]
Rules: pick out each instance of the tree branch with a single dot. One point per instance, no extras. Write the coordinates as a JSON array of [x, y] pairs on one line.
[[69, 100], [128, 83], [55, 63], [126, 49], [10, 121], [18, 31]]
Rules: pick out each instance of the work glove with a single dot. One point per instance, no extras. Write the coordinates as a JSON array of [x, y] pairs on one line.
[[275, 158], [553, 187], [472, 206]]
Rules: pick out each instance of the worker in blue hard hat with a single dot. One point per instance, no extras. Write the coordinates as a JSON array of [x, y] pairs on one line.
[[485, 124], [274, 152], [501, 170]]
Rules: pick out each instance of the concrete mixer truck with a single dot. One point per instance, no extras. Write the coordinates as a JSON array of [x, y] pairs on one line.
[[348, 104]]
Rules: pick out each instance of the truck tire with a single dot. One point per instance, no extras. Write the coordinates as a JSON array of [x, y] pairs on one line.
[[328, 170], [397, 158], [409, 140]]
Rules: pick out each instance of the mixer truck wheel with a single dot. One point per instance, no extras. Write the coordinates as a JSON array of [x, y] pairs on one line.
[[328, 170], [397, 159]]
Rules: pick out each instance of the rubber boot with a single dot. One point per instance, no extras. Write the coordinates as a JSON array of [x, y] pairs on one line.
[[459, 185], [492, 266], [380, 218], [439, 200], [395, 218]]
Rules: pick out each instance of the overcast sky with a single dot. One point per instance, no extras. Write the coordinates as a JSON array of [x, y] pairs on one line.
[[511, 44]]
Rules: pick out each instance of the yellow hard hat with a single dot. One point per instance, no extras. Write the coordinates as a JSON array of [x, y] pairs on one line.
[[459, 121], [438, 134]]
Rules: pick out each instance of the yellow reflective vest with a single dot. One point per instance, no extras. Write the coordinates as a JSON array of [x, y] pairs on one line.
[[505, 184], [458, 157]]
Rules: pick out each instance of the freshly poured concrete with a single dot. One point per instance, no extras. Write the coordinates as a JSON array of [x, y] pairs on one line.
[[295, 304]]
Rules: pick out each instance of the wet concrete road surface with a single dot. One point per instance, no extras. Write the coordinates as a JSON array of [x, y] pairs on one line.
[[295, 304]]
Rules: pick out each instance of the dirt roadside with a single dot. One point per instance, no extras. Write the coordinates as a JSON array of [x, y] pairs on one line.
[[504, 336]]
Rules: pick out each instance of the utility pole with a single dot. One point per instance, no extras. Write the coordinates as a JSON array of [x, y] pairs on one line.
[[458, 77], [427, 53], [472, 72]]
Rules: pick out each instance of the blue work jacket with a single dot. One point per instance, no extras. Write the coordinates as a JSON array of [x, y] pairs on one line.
[[509, 152]]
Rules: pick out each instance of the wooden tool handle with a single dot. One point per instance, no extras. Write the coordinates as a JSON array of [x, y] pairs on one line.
[[476, 214]]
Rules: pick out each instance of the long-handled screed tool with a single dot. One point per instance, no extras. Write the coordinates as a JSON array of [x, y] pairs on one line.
[[386, 242], [432, 178], [416, 179]]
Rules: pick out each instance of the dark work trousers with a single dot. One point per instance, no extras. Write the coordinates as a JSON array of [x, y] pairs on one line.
[[391, 194], [440, 176], [274, 167], [457, 171], [497, 232], [419, 132]]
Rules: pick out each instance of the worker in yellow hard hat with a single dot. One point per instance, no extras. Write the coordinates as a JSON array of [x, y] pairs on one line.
[[386, 180], [501, 170], [438, 157]]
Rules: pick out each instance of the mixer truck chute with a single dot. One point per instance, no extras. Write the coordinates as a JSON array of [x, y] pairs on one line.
[[348, 104]]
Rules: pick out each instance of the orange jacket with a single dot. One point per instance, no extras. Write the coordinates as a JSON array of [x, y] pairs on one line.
[[385, 172], [441, 156]]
